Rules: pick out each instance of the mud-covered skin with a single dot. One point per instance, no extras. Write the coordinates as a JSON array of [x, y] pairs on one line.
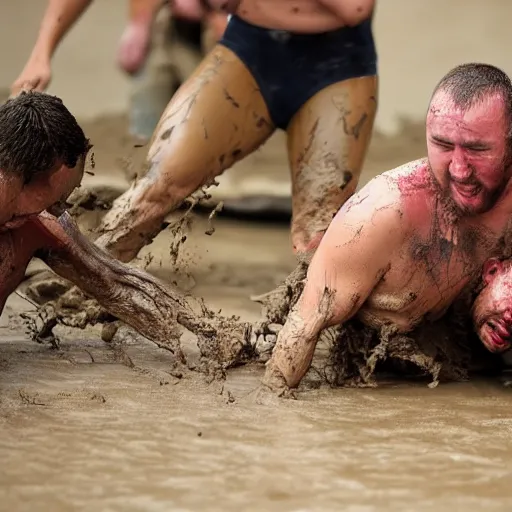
[[222, 102], [412, 240], [20, 202], [193, 144], [155, 310], [219, 116], [492, 309], [17, 247]]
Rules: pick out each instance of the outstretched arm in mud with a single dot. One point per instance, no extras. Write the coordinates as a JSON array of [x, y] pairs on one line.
[[131, 295], [352, 258]]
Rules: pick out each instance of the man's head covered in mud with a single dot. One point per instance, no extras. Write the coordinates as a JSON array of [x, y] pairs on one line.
[[469, 127], [492, 309], [42, 156]]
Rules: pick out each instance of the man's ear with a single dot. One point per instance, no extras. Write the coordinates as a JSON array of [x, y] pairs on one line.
[[491, 267]]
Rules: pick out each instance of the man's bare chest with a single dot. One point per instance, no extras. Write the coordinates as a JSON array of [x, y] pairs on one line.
[[427, 275]]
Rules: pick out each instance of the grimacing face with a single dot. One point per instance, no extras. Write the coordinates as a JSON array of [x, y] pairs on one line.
[[492, 309], [21, 201], [468, 150]]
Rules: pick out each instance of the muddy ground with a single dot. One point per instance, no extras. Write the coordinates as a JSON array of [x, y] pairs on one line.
[[96, 426]]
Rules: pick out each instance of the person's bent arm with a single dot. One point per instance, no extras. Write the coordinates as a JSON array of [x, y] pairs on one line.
[[59, 17], [350, 12], [349, 262]]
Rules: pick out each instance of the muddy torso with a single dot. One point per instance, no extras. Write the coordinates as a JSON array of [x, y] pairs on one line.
[[440, 257], [17, 246], [16, 249], [307, 16]]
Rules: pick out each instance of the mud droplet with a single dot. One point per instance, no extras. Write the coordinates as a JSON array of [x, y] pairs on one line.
[[167, 133], [199, 434], [356, 130], [231, 99], [295, 10]]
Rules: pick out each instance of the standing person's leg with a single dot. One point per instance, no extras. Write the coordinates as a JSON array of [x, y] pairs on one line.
[[154, 84], [329, 133], [215, 119], [327, 143]]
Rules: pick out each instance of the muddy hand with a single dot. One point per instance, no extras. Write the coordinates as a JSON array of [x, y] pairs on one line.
[[274, 381], [71, 310], [263, 339]]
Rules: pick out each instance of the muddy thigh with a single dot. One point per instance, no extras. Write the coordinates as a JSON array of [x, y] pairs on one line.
[[327, 143], [216, 118]]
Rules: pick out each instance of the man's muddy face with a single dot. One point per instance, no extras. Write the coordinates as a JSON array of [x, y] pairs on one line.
[[21, 201], [492, 309], [467, 150]]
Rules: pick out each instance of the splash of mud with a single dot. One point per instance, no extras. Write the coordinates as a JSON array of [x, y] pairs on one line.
[[442, 351]]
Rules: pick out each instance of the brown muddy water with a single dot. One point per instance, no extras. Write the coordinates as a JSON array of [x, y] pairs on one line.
[[87, 428]]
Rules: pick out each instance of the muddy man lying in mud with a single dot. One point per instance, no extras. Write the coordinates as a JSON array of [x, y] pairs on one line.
[[402, 251]]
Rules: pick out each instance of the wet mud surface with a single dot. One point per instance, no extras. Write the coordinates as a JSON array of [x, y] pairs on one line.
[[118, 425]]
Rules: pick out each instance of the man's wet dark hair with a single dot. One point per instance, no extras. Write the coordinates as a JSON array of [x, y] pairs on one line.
[[468, 84], [36, 132]]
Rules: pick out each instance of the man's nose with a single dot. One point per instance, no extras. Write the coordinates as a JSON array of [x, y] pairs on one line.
[[459, 168]]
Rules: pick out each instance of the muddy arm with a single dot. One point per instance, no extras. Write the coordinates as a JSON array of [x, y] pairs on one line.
[[130, 294], [340, 278]]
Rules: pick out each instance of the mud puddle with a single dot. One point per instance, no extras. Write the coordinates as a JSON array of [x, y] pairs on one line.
[[89, 427]]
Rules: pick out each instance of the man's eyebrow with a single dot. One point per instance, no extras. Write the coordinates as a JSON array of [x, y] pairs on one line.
[[475, 144], [442, 140]]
